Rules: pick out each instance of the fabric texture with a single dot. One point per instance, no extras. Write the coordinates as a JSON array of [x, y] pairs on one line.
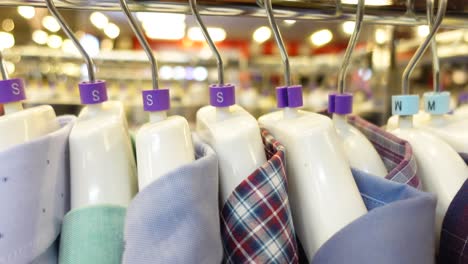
[[93, 235], [454, 236], [256, 220], [50, 256], [397, 229], [34, 196], [396, 153], [176, 218]]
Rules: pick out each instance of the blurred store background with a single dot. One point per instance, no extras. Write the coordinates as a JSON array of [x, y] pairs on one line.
[[36, 49]]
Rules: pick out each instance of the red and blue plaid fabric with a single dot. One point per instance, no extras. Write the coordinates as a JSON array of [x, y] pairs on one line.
[[256, 220], [396, 153], [454, 236]]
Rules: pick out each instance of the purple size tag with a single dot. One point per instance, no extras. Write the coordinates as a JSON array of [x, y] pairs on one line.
[[463, 98], [93, 93], [156, 100], [282, 97], [222, 96], [331, 103], [289, 96], [295, 96], [343, 104], [12, 90]]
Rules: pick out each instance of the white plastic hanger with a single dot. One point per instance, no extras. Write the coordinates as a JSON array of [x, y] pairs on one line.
[[164, 143], [230, 130], [103, 169], [436, 119], [20, 125], [441, 169], [323, 195], [360, 152], [451, 129]]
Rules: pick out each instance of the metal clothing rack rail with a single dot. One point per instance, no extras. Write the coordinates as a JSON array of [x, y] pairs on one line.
[[391, 12]]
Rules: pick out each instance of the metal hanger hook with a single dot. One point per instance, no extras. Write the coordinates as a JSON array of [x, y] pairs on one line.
[[88, 60], [193, 6], [351, 46], [421, 49], [435, 57], [279, 42], [3, 69], [144, 43]]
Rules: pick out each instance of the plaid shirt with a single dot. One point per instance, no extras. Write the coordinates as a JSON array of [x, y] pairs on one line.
[[256, 220], [398, 158], [396, 153], [454, 235]]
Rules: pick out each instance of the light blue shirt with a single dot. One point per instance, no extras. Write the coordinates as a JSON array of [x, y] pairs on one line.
[[176, 219], [399, 227], [34, 196]]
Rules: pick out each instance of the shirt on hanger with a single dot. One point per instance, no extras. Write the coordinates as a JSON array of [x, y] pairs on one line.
[[396, 153], [454, 236], [256, 220], [399, 225], [453, 247], [92, 234], [34, 196], [175, 219]]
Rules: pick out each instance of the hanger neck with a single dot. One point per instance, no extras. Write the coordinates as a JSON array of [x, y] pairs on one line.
[[13, 107], [290, 112], [340, 120], [405, 121], [158, 116]]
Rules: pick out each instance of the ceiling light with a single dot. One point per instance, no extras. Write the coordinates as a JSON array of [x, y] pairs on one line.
[[369, 2], [51, 24], [321, 37], [179, 73], [7, 40], [165, 26], [112, 30], [27, 12], [381, 36], [165, 18], [216, 34], [8, 24], [90, 43], [451, 36], [40, 37], [200, 73], [172, 31], [99, 20], [348, 27], [262, 34], [69, 47], [289, 22], [166, 72], [54, 41], [423, 31], [223, 11], [205, 53]]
